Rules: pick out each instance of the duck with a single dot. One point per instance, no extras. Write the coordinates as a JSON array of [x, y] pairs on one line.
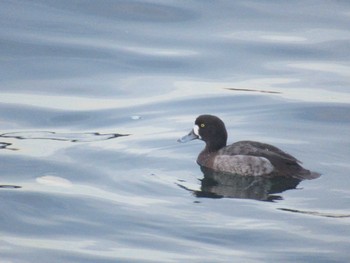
[[243, 158]]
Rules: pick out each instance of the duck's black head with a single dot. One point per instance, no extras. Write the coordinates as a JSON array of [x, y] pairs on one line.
[[211, 130]]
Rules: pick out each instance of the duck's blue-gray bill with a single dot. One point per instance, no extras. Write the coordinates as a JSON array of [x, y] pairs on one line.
[[189, 137]]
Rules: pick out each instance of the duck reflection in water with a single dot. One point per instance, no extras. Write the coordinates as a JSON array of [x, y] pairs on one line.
[[218, 185]]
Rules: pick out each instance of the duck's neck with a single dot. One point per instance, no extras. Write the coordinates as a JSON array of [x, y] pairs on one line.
[[214, 146]]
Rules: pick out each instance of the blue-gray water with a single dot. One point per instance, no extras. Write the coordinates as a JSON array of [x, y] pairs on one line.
[[74, 75]]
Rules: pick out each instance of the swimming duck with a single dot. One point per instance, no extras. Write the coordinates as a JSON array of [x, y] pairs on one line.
[[245, 158]]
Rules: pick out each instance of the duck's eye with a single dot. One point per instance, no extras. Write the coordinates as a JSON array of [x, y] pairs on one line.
[[202, 125]]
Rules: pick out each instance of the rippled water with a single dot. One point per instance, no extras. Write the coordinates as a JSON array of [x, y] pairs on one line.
[[94, 95]]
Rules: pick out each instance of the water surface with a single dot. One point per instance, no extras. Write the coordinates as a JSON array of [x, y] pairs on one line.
[[75, 75]]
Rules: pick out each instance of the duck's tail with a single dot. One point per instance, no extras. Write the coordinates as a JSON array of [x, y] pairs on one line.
[[305, 174]]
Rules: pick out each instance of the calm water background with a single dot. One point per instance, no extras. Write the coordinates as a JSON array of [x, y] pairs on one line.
[[75, 73]]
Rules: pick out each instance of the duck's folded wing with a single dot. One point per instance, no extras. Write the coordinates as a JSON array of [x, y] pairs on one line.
[[253, 148]]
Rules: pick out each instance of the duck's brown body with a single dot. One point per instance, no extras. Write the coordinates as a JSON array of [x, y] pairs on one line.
[[246, 158]]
